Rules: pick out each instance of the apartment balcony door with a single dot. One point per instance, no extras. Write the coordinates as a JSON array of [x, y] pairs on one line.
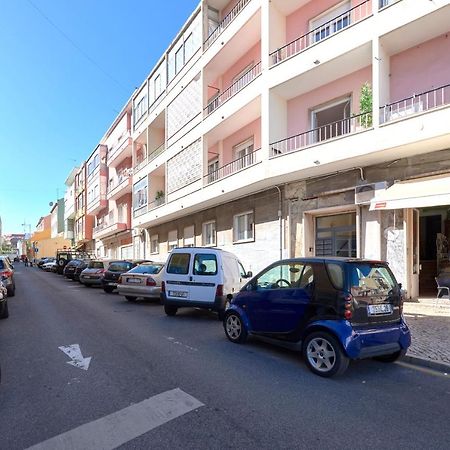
[[336, 235]]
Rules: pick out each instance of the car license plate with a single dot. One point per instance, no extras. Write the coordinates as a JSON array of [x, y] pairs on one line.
[[86, 276], [179, 294], [133, 280], [385, 308]]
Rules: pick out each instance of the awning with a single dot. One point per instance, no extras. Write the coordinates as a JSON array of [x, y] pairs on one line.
[[417, 193]]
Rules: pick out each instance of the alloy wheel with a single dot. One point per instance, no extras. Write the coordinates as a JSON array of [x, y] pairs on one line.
[[233, 326], [321, 354]]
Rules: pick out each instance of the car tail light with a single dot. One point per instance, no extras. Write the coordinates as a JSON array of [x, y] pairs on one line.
[[150, 282], [163, 286], [219, 290], [348, 307], [6, 273]]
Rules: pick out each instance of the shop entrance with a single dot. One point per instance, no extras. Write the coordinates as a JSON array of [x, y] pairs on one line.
[[434, 235]]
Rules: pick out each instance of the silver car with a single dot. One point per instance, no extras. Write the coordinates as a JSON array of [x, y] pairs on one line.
[[142, 281], [93, 274]]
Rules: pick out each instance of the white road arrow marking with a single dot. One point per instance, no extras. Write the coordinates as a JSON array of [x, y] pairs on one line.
[[74, 353]]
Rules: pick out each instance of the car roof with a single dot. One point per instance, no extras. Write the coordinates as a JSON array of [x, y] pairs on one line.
[[336, 259]]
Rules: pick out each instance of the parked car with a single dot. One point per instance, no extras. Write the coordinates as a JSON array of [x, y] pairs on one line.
[[334, 309], [50, 266], [202, 278], [142, 281], [92, 275], [3, 300], [112, 273], [7, 275], [79, 268], [70, 268], [64, 256], [43, 261]]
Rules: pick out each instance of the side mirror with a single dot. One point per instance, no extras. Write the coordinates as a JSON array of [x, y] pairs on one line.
[[249, 274], [400, 286]]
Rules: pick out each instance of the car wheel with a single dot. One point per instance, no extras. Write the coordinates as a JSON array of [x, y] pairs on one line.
[[391, 357], [87, 285], [130, 299], [4, 313], [108, 290], [11, 291], [170, 310], [323, 354], [234, 327]]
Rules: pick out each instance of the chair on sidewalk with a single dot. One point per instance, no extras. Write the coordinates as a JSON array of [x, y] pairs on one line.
[[443, 292]]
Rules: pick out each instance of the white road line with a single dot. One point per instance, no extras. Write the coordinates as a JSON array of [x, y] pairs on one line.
[[118, 428]]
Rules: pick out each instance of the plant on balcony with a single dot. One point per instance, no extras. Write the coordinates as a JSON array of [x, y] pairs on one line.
[[365, 105], [159, 196]]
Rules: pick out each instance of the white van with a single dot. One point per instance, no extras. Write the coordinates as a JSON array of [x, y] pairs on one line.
[[200, 277]]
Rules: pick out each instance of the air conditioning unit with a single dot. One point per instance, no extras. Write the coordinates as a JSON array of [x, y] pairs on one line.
[[364, 193]]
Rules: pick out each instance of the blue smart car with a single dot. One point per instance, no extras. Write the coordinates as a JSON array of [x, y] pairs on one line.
[[335, 309]]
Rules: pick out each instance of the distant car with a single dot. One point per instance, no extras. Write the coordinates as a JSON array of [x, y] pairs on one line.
[[64, 256], [334, 309], [7, 275], [3, 300], [49, 266], [70, 268], [142, 281], [93, 274], [112, 273], [43, 261]]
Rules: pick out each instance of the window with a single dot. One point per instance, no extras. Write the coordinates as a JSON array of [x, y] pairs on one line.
[[205, 264], [285, 276], [189, 49], [140, 109], [189, 237], [336, 235], [154, 244], [179, 59], [173, 239], [209, 234], [330, 22], [179, 263], [243, 153], [213, 167], [157, 86], [140, 194], [243, 225]]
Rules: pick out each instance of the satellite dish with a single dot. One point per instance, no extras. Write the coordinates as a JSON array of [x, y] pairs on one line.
[[50, 204]]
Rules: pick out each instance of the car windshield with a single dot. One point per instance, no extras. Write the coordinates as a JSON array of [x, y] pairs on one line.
[[147, 268], [121, 266], [370, 279], [96, 265]]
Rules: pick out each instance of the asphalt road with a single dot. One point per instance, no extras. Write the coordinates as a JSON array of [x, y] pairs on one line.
[[254, 395]]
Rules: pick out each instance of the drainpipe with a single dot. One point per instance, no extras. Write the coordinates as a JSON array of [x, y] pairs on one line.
[[280, 220]]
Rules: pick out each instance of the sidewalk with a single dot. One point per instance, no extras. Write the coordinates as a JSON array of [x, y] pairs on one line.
[[430, 331]]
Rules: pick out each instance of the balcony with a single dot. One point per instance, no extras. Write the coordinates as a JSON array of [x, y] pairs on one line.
[[325, 31], [229, 18], [333, 130], [149, 158], [119, 186], [231, 91], [122, 149], [417, 103], [233, 167], [108, 229], [97, 204]]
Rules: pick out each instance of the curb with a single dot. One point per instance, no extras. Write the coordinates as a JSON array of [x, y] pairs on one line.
[[416, 361]]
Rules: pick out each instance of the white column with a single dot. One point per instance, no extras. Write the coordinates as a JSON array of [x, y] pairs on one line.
[[380, 79]]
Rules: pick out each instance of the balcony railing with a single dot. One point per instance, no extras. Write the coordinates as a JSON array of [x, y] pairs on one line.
[[417, 103], [240, 5], [383, 3], [101, 227], [120, 145], [157, 202], [328, 29], [332, 130], [115, 182], [237, 86], [150, 157], [233, 167], [140, 211]]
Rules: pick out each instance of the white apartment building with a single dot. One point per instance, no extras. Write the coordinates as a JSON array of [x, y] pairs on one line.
[[275, 128], [69, 205], [298, 128]]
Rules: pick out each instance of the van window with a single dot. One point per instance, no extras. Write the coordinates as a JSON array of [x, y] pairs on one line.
[[205, 264], [179, 263]]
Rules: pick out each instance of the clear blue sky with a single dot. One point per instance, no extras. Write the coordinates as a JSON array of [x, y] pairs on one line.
[[55, 104]]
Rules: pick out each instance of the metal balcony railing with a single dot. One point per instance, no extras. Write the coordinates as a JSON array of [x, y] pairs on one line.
[[240, 5], [233, 167], [157, 202], [115, 182], [153, 154], [328, 29], [417, 103], [320, 134], [140, 211], [237, 86], [120, 145]]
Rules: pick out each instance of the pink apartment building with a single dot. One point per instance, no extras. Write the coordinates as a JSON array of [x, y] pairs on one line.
[[296, 128]]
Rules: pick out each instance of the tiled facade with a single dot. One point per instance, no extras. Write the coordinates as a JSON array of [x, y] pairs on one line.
[[270, 128]]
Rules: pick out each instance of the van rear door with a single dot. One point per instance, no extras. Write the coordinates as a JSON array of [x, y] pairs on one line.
[[177, 276], [376, 294], [205, 277]]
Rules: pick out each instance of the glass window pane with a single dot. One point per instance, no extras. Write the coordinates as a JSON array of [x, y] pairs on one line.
[[179, 263], [205, 264]]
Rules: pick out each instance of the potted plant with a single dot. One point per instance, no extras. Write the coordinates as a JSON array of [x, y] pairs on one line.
[[365, 105]]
